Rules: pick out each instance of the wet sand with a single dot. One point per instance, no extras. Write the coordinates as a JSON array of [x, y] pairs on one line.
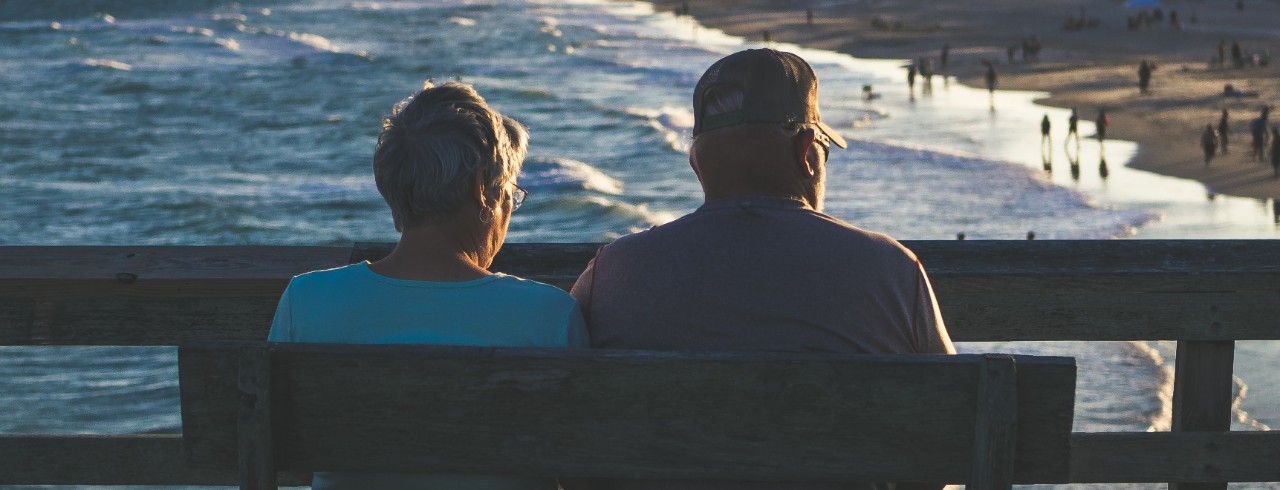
[[1089, 68]]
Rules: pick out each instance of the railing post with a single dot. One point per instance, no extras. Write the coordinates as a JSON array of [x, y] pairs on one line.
[[1202, 394], [996, 430], [256, 451]]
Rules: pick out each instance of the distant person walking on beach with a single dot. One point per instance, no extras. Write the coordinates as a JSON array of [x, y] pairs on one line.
[[714, 279], [946, 52], [1237, 55], [1209, 142], [1224, 131], [1101, 124], [926, 71], [1044, 131], [1144, 77], [1275, 152], [911, 78], [1258, 130], [991, 79], [1073, 124]]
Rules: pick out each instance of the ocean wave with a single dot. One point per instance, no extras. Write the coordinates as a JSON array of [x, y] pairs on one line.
[[462, 21], [560, 174], [293, 46], [132, 9], [105, 63], [1161, 418], [571, 218], [675, 124]]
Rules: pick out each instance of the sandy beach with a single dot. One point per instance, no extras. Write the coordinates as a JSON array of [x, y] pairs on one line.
[[1092, 67]]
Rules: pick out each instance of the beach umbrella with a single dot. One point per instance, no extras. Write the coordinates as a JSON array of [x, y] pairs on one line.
[[1142, 4]]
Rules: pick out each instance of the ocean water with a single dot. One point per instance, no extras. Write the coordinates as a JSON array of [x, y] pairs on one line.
[[209, 122]]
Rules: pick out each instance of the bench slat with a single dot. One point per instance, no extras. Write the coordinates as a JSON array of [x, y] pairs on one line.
[[157, 459], [609, 413]]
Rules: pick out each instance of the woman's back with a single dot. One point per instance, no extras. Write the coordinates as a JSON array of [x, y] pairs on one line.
[[354, 305]]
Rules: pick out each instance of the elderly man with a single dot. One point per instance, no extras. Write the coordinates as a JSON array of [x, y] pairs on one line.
[[758, 267]]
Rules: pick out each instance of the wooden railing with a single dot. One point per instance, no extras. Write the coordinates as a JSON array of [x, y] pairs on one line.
[[1205, 294]]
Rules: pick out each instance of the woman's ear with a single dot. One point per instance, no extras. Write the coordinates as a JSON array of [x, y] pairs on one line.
[[805, 158], [478, 191]]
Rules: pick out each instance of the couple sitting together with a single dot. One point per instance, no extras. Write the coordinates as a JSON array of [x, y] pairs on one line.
[[757, 267]]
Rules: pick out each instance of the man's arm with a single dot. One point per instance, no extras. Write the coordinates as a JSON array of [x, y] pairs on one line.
[[930, 329], [583, 287]]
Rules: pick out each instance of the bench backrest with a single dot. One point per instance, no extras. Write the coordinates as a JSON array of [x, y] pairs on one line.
[[626, 414]]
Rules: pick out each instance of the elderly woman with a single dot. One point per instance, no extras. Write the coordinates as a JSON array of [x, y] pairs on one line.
[[446, 164]]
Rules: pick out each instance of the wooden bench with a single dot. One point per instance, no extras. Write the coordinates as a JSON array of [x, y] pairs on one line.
[[984, 420], [1215, 298]]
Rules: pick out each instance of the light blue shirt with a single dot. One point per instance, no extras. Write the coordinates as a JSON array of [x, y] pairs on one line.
[[354, 305]]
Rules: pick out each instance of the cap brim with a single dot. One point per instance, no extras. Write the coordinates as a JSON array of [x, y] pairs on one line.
[[836, 139]]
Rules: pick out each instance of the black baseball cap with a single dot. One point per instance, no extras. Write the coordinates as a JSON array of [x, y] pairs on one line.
[[777, 87]]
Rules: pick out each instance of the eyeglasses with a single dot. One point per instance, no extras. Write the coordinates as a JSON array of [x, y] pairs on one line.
[[825, 142], [518, 196]]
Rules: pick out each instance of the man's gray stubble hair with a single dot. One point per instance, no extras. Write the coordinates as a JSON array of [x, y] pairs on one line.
[[435, 143]]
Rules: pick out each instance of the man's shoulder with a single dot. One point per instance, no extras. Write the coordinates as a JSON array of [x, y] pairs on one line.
[[812, 228], [841, 233]]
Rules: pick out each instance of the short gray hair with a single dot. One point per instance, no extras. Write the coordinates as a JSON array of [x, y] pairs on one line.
[[435, 143]]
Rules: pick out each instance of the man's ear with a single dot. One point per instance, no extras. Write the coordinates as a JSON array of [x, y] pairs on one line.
[[693, 164], [802, 150]]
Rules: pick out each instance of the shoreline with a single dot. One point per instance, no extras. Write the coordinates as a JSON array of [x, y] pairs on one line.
[[1089, 69]]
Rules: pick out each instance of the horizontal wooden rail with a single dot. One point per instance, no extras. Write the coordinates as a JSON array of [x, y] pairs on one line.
[[1123, 457], [1095, 458], [989, 291], [96, 459]]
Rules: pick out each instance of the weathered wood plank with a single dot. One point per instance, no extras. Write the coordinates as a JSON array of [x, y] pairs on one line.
[[970, 318], [254, 430], [135, 322], [138, 264], [742, 416], [1049, 383], [87, 459], [1175, 457], [1202, 394], [997, 427], [1049, 265], [1013, 315], [989, 291], [156, 459]]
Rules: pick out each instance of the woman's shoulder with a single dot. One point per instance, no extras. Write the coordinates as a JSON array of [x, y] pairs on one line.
[[529, 289], [326, 276]]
